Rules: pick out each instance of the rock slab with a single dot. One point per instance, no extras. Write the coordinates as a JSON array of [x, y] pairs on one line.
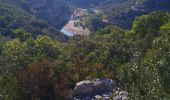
[[90, 88]]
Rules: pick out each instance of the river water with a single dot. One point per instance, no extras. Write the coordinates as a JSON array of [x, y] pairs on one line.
[[66, 32]]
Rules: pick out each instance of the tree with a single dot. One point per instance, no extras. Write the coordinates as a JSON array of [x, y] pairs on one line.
[[94, 23], [16, 53], [37, 81], [21, 34], [45, 46], [43, 80], [150, 24]]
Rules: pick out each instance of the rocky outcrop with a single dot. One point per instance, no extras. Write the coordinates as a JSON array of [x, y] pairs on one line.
[[98, 89]]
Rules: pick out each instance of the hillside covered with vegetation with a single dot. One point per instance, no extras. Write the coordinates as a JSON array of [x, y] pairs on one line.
[[116, 12], [43, 68], [123, 12], [36, 17], [49, 16], [129, 43]]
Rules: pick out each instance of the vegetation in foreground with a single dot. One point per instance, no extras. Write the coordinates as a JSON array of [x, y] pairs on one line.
[[43, 68]]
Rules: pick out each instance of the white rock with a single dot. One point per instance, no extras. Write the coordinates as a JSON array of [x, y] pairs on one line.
[[98, 97]]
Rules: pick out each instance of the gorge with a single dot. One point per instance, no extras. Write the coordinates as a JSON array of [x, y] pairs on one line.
[[84, 49]]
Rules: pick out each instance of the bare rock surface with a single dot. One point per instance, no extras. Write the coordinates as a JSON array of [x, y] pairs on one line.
[[98, 89]]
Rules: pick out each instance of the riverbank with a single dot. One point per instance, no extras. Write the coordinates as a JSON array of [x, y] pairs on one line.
[[71, 28]]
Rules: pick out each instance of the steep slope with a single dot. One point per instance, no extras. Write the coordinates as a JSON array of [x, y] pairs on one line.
[[55, 12], [124, 13], [35, 16], [12, 16], [48, 16]]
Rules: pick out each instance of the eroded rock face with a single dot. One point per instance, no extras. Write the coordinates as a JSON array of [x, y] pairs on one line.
[[91, 88]]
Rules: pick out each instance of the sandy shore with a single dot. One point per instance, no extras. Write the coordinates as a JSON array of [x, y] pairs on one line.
[[76, 30]]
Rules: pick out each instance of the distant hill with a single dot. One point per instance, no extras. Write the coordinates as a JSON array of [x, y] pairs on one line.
[[84, 3], [124, 12], [49, 16]]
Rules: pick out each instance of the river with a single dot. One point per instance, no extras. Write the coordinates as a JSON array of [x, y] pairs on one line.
[[70, 29], [66, 32]]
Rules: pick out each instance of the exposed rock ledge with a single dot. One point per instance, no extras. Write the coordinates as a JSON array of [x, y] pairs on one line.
[[98, 89]]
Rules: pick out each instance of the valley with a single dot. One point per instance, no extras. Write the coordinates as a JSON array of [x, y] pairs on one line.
[[84, 49], [74, 17], [81, 19]]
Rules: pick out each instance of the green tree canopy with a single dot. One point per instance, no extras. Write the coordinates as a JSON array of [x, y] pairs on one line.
[[21, 34], [150, 24]]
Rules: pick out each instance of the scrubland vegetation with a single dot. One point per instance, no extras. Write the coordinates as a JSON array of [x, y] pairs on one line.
[[43, 68]]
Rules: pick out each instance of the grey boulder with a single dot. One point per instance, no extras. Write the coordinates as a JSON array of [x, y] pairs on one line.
[[93, 87]]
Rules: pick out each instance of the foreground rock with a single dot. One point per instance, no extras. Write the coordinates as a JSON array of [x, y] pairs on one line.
[[98, 89]]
